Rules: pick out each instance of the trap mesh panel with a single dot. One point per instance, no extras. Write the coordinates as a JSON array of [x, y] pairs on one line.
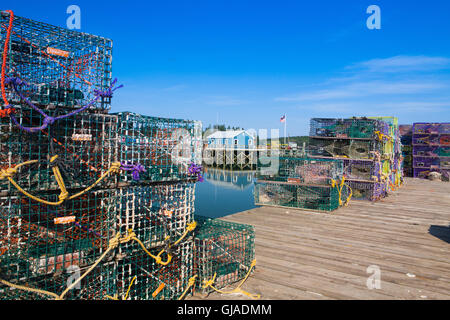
[[347, 148], [223, 248], [154, 281], [322, 198], [165, 147], [363, 169], [155, 212], [300, 170], [86, 145], [40, 242], [61, 67], [419, 128], [371, 191], [345, 128]]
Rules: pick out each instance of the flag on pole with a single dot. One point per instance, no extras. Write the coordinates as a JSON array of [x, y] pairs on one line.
[[283, 118]]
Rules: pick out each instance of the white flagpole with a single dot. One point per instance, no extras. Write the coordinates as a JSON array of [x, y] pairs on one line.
[[285, 123]]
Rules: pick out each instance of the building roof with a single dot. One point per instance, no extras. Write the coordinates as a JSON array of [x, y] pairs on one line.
[[227, 134]]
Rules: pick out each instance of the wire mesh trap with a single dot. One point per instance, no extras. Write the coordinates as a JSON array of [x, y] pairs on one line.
[[320, 198], [299, 170], [59, 66], [363, 190], [86, 146], [158, 214], [39, 243], [346, 148], [165, 147], [222, 250], [362, 128], [141, 278]]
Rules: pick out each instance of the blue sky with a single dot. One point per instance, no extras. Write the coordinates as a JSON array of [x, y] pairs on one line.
[[246, 63]]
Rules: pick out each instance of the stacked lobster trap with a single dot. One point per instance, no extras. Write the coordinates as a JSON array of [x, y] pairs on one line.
[[431, 149], [92, 205], [405, 131], [313, 184], [369, 149]]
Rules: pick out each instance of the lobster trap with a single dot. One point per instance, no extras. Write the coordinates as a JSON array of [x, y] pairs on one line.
[[364, 190], [39, 243], [345, 148], [165, 147], [299, 170], [223, 251], [346, 128], [368, 170], [158, 214], [431, 128], [310, 197], [60, 67], [86, 146], [141, 278]]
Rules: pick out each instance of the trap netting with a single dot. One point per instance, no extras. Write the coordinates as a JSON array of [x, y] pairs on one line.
[[368, 170], [428, 128], [59, 66], [299, 170], [364, 190], [320, 198], [86, 146], [346, 128], [345, 148], [40, 244], [141, 278], [223, 252], [166, 148], [158, 214]]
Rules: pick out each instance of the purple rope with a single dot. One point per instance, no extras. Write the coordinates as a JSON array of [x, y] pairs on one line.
[[134, 168], [196, 170], [48, 120]]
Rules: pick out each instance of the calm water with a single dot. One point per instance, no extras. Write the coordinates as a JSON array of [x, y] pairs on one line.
[[224, 193]]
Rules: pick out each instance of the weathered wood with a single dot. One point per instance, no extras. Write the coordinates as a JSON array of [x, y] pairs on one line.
[[311, 255]]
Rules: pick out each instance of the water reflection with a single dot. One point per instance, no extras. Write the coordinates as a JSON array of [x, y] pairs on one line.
[[224, 192]]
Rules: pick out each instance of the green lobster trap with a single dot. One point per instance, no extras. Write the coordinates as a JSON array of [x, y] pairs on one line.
[[223, 251], [59, 67], [86, 146], [310, 197], [363, 128], [344, 148], [38, 241], [166, 148], [141, 278], [158, 214], [299, 170]]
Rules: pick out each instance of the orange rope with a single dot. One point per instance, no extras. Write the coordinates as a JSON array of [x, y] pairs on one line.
[[8, 111]]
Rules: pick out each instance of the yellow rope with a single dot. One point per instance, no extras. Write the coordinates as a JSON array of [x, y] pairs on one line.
[[339, 188], [16, 286], [116, 296], [209, 283], [191, 283], [64, 195]]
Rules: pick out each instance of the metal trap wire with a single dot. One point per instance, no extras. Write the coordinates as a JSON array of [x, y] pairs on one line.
[[165, 147], [61, 67], [158, 214], [223, 250]]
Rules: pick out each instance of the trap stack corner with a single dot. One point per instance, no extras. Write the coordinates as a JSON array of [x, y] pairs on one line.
[[370, 149], [431, 149], [307, 183], [224, 253]]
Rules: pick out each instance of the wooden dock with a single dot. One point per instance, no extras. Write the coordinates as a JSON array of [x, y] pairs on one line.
[[307, 255]]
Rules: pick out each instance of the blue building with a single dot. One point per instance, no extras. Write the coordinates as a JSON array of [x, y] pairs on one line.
[[239, 139]]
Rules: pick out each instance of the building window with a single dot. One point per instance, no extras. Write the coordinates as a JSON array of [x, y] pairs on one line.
[[235, 142]]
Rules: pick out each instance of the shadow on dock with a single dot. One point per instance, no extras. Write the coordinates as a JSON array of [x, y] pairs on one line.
[[440, 232]]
